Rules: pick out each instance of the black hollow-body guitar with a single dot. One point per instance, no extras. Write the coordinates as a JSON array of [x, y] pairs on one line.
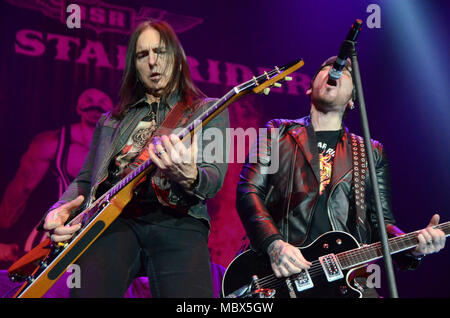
[[336, 257]]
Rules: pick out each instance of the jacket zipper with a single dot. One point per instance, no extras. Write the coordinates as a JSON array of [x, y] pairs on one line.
[[290, 187], [308, 229], [330, 218]]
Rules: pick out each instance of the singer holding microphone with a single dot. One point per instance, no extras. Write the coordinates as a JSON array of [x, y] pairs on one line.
[[313, 191]]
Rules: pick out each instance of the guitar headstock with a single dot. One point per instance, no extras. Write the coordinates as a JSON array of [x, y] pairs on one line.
[[273, 78]]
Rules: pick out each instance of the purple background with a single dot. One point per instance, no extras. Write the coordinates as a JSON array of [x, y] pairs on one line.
[[405, 73]]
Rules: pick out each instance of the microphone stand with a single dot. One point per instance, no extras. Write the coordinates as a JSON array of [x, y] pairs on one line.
[[365, 126]]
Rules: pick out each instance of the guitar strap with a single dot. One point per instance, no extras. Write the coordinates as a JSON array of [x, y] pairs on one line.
[[172, 119], [359, 160], [178, 117]]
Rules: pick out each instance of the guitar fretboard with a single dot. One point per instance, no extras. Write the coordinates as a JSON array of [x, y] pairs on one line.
[[368, 253]]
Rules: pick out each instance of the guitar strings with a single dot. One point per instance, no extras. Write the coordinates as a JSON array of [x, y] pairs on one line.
[[315, 269], [362, 252]]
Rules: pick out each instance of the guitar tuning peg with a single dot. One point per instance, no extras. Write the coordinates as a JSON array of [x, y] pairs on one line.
[[288, 78], [266, 90], [277, 84]]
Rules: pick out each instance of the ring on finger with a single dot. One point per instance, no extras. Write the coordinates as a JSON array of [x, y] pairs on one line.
[[160, 153]]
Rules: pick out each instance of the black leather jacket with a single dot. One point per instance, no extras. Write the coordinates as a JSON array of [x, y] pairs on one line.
[[280, 205]]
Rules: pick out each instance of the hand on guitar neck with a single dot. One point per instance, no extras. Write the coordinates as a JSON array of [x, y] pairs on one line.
[[55, 220], [431, 240]]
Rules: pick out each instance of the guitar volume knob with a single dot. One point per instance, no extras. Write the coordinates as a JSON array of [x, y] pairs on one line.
[[343, 290]]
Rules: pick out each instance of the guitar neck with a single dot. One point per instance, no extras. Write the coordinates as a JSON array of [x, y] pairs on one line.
[[372, 252]]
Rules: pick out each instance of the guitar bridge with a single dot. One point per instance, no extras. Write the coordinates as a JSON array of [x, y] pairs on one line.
[[331, 267]]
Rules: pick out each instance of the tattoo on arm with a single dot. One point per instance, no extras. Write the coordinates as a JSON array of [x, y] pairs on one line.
[[274, 253]]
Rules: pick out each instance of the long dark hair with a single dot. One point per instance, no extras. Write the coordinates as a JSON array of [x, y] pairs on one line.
[[132, 89]]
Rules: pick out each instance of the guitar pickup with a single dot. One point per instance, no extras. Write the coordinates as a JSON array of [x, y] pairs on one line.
[[331, 267], [303, 281]]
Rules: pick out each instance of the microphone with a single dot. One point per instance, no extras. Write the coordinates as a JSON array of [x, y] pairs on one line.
[[345, 51]]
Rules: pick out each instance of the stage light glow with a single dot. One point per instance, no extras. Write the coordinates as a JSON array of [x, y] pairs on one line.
[[422, 40]]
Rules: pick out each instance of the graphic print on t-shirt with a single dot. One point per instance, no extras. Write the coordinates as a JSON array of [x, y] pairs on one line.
[[326, 155], [134, 145]]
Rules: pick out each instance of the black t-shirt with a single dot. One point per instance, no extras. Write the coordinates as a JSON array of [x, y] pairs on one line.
[[326, 144]]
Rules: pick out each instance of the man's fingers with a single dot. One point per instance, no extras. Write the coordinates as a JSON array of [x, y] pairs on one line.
[[427, 236], [62, 213], [288, 268], [436, 234], [177, 143], [302, 259], [295, 257], [64, 230], [52, 221], [154, 158], [192, 151], [286, 259], [64, 233], [294, 265], [437, 239], [60, 238], [290, 265], [58, 216], [170, 155], [434, 220], [285, 271], [276, 271], [422, 243], [181, 154], [75, 203], [443, 239]]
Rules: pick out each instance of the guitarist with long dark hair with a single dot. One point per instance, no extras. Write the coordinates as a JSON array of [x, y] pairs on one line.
[[321, 186], [163, 232]]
